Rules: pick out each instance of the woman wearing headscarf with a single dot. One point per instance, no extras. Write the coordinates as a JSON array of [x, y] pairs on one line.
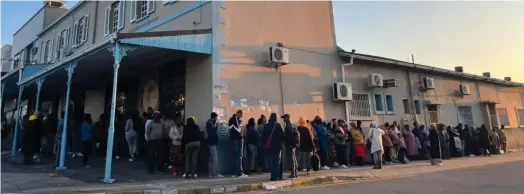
[[411, 143], [495, 142], [261, 123], [357, 138], [399, 143], [484, 140], [444, 141], [387, 144], [455, 146], [273, 138], [191, 142], [465, 136], [434, 146], [306, 146], [374, 137]]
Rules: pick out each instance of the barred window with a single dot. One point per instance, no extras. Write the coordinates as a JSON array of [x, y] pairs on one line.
[[360, 105], [466, 115], [503, 116]]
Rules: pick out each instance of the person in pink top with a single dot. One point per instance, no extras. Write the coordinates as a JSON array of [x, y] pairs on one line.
[[411, 144]]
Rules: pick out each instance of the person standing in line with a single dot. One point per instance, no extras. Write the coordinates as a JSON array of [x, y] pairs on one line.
[[401, 144], [358, 143], [306, 147], [273, 138], [322, 139], [212, 140], [495, 142], [262, 161], [131, 137], [434, 146], [31, 140], [235, 135], [176, 153], [252, 141], [191, 142], [411, 142], [502, 138], [374, 137], [444, 141], [153, 136], [166, 144], [387, 143], [339, 140], [292, 141], [87, 139]]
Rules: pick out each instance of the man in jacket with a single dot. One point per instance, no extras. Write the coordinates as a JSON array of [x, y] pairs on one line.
[[291, 142], [273, 137], [212, 140], [322, 139], [235, 135]]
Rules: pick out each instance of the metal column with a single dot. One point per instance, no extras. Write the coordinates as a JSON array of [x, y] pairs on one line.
[[39, 84], [70, 70], [119, 52], [17, 121]]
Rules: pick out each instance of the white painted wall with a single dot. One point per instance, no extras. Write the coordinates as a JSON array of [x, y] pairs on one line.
[[94, 103]]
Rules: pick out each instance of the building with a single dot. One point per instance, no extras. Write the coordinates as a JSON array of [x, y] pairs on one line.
[[5, 58], [195, 57]]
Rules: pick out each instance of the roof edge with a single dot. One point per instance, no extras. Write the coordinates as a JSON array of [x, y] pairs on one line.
[[420, 67], [74, 8]]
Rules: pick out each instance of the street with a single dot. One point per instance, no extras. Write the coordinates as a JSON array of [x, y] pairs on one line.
[[505, 178]]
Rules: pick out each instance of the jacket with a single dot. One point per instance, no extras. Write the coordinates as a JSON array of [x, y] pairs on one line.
[[191, 134], [340, 137], [386, 140], [322, 135], [212, 129], [87, 131], [306, 139], [154, 131], [274, 131], [252, 135], [357, 136], [235, 130], [291, 137], [176, 133]]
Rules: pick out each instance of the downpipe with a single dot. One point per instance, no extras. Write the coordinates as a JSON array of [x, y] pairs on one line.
[[346, 103]]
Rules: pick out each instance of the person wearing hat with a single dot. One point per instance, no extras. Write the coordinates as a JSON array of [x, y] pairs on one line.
[[32, 135], [292, 140]]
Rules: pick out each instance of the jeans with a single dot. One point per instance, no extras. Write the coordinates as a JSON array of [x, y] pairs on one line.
[[253, 156], [323, 154], [273, 161], [402, 154], [341, 154], [292, 159], [131, 144], [377, 159], [261, 158], [348, 153], [154, 155], [191, 152], [87, 148], [213, 160], [238, 149]]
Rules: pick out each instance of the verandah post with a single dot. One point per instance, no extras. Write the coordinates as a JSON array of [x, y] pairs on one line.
[[39, 84], [70, 70], [17, 121]]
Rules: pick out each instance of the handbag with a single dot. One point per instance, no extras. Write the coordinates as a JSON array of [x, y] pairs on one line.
[[368, 142], [268, 141], [315, 159]]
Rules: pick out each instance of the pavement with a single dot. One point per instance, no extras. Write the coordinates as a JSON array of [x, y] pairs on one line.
[[16, 178], [503, 178]]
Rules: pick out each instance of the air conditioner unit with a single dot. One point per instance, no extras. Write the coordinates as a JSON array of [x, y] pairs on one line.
[[464, 89], [376, 80], [278, 55], [342, 91], [34, 50], [429, 83]]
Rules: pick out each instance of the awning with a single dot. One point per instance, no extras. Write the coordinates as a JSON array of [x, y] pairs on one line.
[[198, 41], [32, 69]]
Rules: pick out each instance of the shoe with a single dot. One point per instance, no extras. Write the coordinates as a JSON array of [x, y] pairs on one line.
[[325, 168], [19, 149], [117, 157], [234, 176], [308, 172], [335, 164], [170, 167], [195, 176], [219, 176], [130, 159], [242, 176], [184, 175], [304, 170], [291, 177], [87, 166], [80, 154], [344, 166], [471, 155]]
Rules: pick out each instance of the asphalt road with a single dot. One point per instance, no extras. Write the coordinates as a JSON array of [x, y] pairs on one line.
[[506, 178]]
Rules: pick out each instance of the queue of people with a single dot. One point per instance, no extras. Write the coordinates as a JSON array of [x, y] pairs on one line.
[[262, 146]]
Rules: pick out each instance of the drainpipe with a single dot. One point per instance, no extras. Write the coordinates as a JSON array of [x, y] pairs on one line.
[[346, 103]]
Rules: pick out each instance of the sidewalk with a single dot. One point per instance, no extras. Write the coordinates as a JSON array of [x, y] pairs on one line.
[[229, 185]]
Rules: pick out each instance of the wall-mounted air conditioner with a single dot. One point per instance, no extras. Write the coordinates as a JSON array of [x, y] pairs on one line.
[[279, 55], [376, 80], [464, 89], [342, 91], [429, 83]]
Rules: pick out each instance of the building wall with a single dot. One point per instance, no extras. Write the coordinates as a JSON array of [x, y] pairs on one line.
[[28, 33], [6, 54], [51, 14], [249, 29], [94, 103], [198, 97]]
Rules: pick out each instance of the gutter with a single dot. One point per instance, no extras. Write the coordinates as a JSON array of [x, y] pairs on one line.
[[76, 57], [346, 103]]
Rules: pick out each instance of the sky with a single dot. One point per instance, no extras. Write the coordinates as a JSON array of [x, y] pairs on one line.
[[480, 36]]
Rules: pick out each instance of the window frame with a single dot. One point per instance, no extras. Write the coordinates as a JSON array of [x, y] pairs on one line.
[[406, 106], [141, 9], [463, 117], [360, 107], [392, 111], [382, 106], [417, 107], [501, 121], [80, 31], [46, 51], [520, 121]]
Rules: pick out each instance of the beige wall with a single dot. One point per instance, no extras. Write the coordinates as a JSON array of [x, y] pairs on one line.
[[94, 103], [198, 97]]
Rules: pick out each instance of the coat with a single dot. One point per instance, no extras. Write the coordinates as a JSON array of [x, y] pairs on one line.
[[375, 135], [411, 143], [386, 139], [306, 139], [434, 144]]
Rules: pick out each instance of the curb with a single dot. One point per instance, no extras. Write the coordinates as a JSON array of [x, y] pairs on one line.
[[267, 186]]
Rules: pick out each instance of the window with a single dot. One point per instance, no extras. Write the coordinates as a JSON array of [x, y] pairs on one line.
[[360, 106], [503, 116], [379, 106], [60, 43], [169, 1], [80, 31], [16, 61], [141, 9], [114, 17], [390, 107], [466, 115], [433, 114], [417, 107], [47, 51], [405, 102], [520, 116]]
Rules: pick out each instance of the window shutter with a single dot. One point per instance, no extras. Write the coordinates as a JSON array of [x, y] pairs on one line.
[[74, 34], [106, 20], [121, 14], [150, 6], [50, 49], [66, 37], [133, 11], [57, 45], [86, 28]]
